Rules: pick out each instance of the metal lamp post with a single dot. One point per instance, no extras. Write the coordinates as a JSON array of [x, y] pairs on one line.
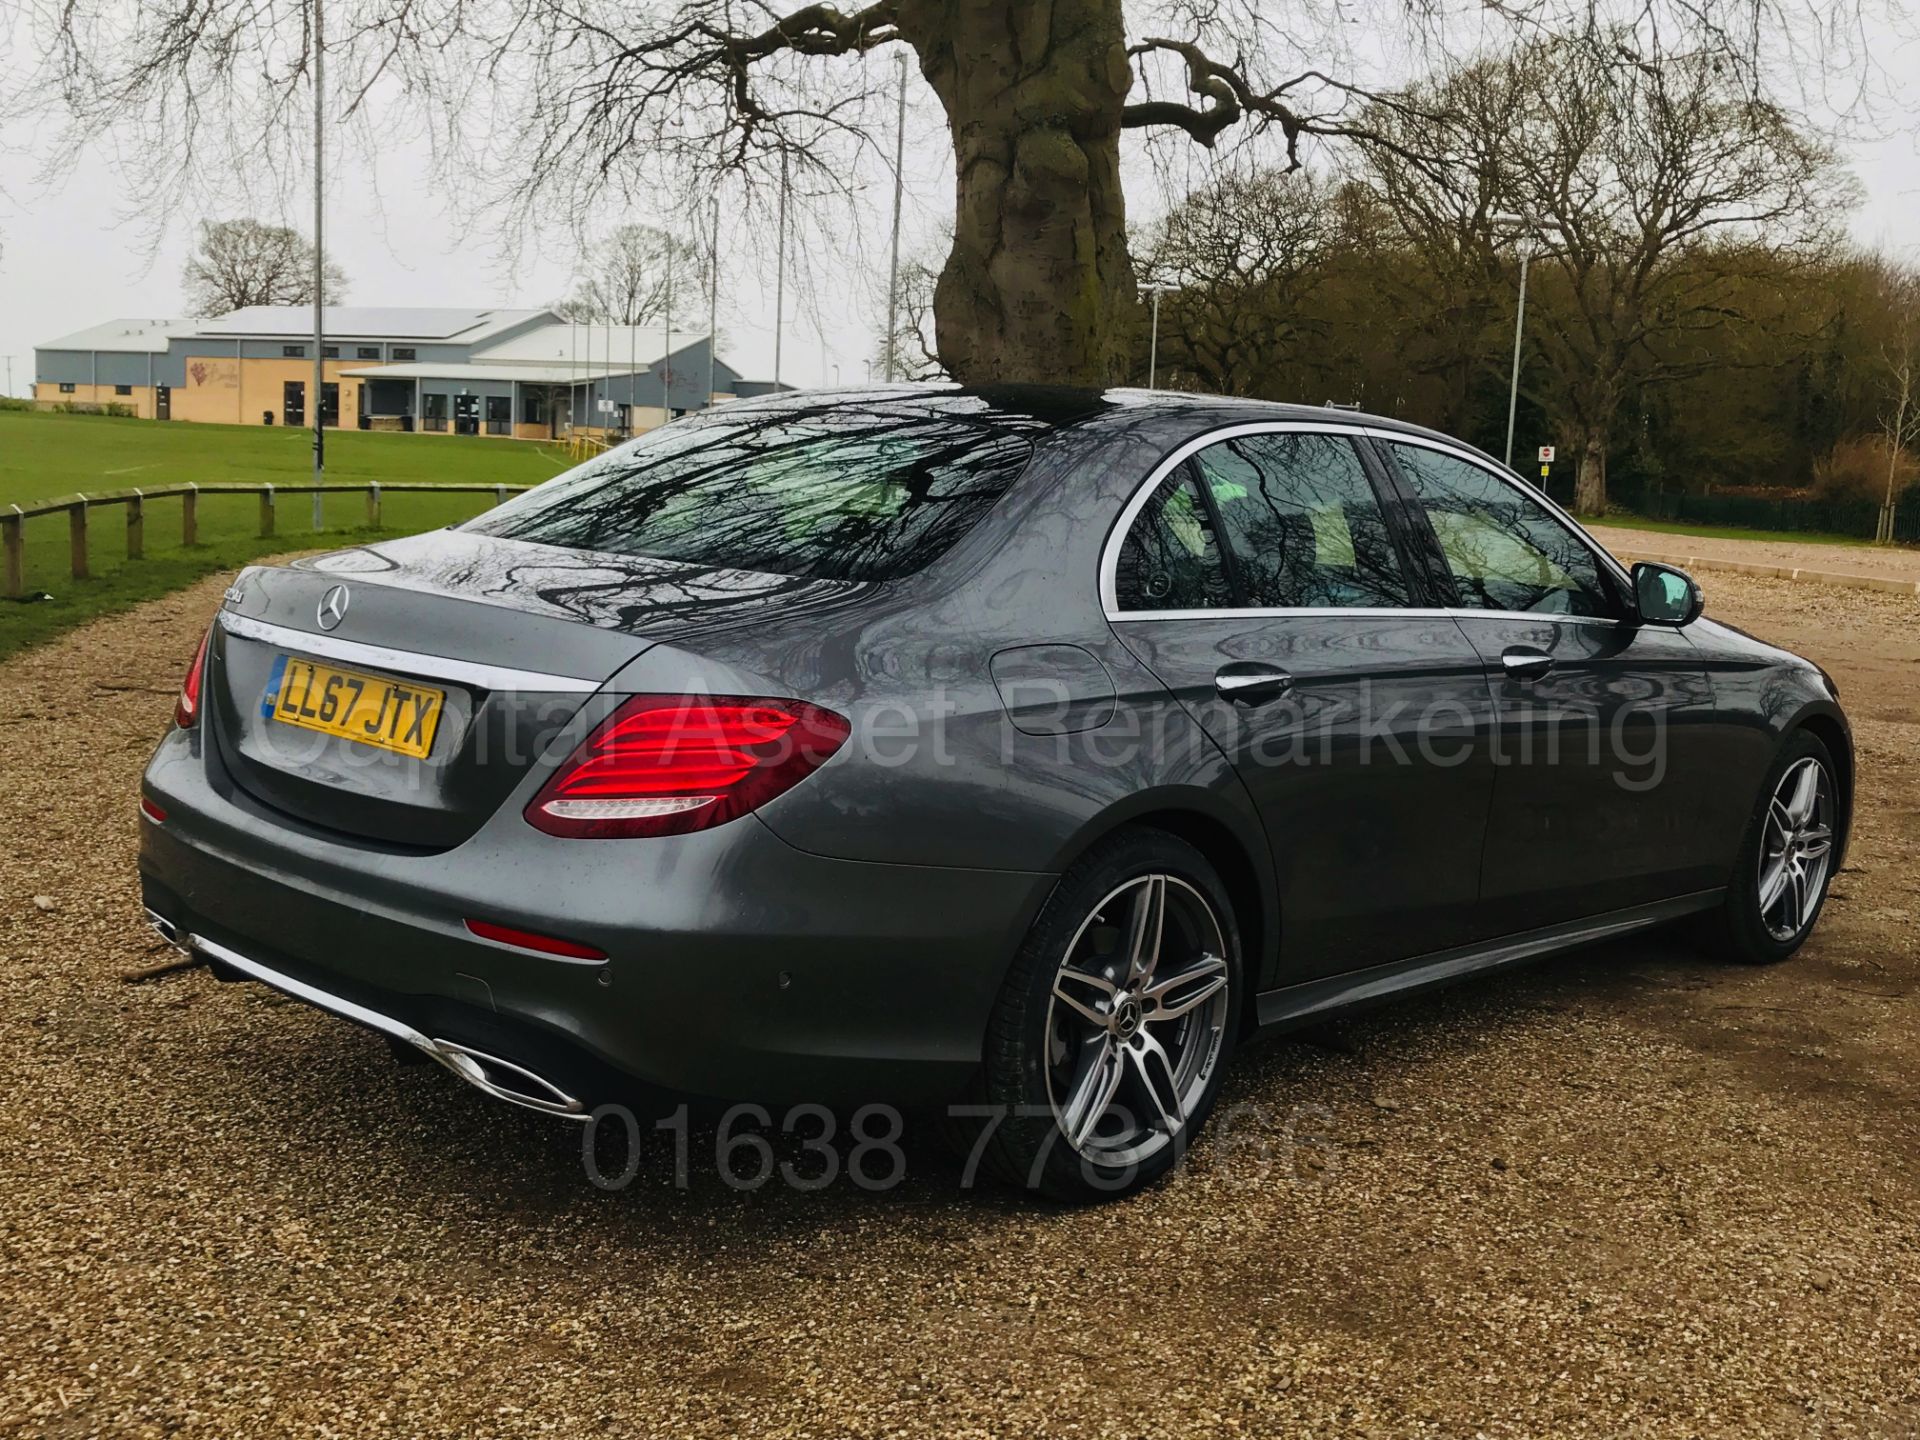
[[1528, 226], [319, 269], [1153, 344]]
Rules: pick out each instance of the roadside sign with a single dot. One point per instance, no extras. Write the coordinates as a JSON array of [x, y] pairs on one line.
[[1546, 454]]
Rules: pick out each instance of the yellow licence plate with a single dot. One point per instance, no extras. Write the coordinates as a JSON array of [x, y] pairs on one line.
[[387, 714]]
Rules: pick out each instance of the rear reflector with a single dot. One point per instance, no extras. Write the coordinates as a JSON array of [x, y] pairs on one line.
[[186, 709], [152, 811], [527, 940], [672, 764]]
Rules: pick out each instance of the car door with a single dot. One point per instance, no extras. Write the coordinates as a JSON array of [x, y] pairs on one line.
[[1603, 721], [1261, 578]]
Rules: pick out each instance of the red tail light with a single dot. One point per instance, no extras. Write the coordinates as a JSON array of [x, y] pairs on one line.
[[671, 764], [186, 710]]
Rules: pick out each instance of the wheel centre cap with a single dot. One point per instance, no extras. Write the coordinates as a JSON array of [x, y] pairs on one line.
[[1126, 1017]]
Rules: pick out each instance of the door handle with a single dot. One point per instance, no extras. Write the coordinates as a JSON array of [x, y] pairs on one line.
[[1522, 662], [1249, 684]]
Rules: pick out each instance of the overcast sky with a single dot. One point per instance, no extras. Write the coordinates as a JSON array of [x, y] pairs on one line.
[[70, 257]]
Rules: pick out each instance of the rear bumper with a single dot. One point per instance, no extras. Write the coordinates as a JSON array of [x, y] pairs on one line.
[[738, 967]]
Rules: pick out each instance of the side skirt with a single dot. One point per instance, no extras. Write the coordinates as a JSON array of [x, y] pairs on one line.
[[1315, 999]]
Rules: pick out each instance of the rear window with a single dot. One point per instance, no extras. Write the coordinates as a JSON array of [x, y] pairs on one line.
[[841, 494]]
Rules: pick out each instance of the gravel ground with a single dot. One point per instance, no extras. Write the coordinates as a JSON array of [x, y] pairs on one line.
[[1627, 1193], [1900, 562]]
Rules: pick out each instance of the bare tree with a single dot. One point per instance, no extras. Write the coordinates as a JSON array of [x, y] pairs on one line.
[[639, 275], [1900, 406], [1243, 254], [915, 356], [1654, 187], [579, 102], [243, 262]]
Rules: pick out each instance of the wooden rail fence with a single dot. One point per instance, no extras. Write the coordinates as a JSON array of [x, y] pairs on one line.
[[76, 507]]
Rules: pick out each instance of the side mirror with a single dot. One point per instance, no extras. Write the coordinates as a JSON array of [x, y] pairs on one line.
[[1664, 595]]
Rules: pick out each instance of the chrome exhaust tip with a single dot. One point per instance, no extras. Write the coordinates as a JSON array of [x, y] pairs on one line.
[[502, 1079], [167, 931], [505, 1080]]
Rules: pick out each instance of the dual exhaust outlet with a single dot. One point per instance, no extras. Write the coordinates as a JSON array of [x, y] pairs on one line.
[[502, 1079]]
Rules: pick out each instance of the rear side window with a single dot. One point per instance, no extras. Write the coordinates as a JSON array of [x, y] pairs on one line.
[[1302, 523], [829, 493], [1506, 550], [1170, 559]]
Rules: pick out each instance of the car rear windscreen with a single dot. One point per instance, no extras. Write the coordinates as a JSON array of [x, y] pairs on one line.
[[839, 492]]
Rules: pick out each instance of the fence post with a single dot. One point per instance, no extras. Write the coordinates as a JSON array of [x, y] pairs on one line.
[[77, 537], [16, 567], [136, 526], [373, 505], [190, 517], [266, 511], [499, 494]]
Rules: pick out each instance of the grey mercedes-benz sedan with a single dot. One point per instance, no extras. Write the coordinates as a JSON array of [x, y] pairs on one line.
[[1017, 749]]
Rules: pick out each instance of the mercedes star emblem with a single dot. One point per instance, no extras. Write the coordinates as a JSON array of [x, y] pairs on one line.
[[333, 607]]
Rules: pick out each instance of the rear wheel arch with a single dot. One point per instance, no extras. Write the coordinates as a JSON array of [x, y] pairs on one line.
[[1255, 908]]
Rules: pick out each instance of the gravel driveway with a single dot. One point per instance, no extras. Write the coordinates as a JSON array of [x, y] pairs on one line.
[[1897, 562], [1627, 1193]]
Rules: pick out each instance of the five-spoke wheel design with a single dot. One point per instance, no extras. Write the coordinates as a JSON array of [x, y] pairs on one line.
[[1136, 1020], [1796, 849]]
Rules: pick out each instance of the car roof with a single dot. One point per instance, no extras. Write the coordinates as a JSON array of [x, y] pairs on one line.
[[1053, 407]]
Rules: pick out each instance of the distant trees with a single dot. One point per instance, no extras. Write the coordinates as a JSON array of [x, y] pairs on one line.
[[1692, 317], [1899, 412], [1243, 254], [639, 275], [915, 353], [1651, 191], [237, 263]]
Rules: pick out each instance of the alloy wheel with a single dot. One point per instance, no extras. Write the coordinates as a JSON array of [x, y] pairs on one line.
[[1796, 849], [1137, 1020]]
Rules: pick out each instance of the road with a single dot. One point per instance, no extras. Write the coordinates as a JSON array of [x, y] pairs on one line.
[[1627, 1193]]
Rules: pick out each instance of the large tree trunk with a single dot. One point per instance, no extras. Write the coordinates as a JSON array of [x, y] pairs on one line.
[[1039, 286], [1590, 484]]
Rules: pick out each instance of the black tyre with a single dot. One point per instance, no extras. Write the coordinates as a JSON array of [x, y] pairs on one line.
[[1107, 1043], [1780, 875]]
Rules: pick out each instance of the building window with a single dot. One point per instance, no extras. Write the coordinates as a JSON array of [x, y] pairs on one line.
[[332, 352], [367, 352], [535, 405], [123, 389], [433, 411], [499, 415], [294, 352], [404, 352], [66, 388]]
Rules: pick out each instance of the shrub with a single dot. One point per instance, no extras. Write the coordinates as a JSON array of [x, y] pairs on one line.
[[118, 412], [1856, 469]]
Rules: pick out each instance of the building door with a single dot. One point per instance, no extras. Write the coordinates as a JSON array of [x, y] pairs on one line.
[[163, 402], [499, 415], [330, 404], [293, 403], [466, 414]]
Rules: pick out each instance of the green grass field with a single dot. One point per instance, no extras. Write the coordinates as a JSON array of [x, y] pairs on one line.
[[45, 456]]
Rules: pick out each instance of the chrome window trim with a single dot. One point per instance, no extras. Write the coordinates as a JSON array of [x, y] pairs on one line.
[[1513, 480], [405, 662], [1110, 552]]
